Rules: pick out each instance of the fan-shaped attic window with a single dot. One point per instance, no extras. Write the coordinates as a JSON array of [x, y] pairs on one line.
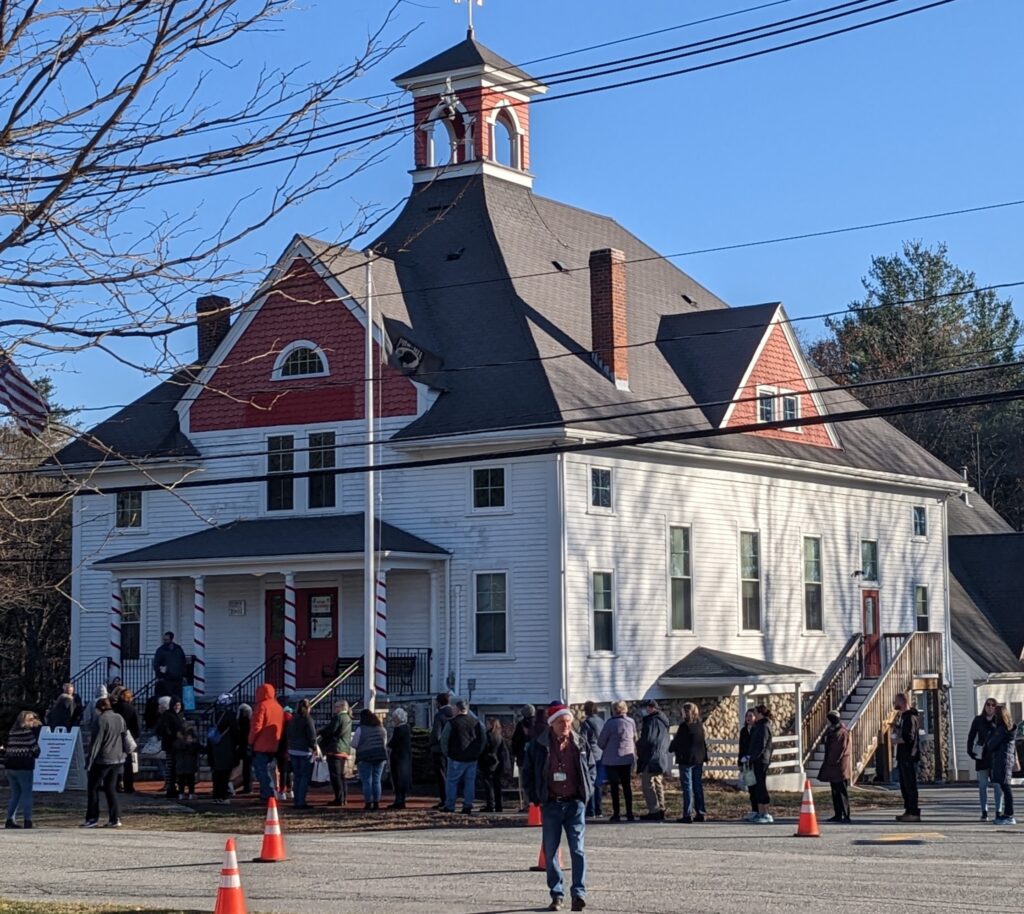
[[300, 359]]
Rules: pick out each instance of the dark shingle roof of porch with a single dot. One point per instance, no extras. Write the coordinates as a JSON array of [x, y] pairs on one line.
[[704, 663], [327, 535]]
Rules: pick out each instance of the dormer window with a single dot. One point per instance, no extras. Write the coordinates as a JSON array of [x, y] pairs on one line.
[[505, 139], [300, 359], [775, 403]]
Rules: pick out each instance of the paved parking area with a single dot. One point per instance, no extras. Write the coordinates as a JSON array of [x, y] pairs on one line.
[[951, 862]]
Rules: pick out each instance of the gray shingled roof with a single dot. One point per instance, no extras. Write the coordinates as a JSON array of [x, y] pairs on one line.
[[976, 636], [990, 568], [704, 663], [977, 517], [467, 53], [326, 535]]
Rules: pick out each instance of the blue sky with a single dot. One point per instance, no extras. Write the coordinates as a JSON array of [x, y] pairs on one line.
[[909, 117]]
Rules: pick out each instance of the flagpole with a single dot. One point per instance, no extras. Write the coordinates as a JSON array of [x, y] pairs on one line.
[[369, 547]]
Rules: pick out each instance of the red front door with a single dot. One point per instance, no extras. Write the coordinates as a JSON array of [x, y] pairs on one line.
[[872, 638], [316, 632]]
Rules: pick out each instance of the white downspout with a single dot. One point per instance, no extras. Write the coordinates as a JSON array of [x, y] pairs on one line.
[[562, 588], [948, 643]]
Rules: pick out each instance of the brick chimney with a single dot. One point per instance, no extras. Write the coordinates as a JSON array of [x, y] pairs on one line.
[[213, 320], [608, 332]]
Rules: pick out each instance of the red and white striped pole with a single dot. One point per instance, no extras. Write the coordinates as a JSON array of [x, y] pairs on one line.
[[289, 632], [199, 637], [114, 647], [380, 667]]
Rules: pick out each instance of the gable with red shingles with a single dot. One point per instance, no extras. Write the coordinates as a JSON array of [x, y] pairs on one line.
[[777, 366], [241, 394]]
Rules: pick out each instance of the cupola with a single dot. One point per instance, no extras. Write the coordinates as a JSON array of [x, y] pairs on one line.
[[472, 114]]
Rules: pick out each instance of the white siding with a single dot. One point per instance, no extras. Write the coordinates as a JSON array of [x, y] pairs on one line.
[[964, 704]]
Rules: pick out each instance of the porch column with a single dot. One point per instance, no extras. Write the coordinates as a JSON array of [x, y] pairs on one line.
[[380, 666], [199, 636], [114, 647], [289, 632], [798, 725]]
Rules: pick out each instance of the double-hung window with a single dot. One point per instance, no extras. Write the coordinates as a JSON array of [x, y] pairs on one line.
[[921, 607], [681, 576], [128, 510], [602, 600], [920, 521], [280, 467], [869, 560], [750, 580], [813, 613], [131, 620], [491, 612], [322, 487], [488, 488], [601, 488]]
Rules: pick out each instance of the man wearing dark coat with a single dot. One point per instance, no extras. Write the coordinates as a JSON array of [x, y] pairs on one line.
[[837, 767], [400, 761], [169, 667]]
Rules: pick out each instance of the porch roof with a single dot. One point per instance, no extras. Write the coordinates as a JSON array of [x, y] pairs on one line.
[[335, 534], [703, 666]]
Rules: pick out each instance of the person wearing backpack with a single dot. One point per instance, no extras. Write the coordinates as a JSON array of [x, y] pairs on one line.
[[906, 734]]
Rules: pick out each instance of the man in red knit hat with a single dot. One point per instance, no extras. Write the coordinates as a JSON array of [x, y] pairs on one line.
[[559, 774]]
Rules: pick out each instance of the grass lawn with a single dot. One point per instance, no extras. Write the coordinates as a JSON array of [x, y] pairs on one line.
[[150, 813]]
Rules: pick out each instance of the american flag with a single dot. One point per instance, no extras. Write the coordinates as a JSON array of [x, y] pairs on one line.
[[21, 399]]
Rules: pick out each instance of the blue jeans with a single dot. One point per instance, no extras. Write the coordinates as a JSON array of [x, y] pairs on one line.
[[261, 765], [594, 803], [691, 782], [370, 774], [302, 769], [570, 818], [21, 794], [456, 774], [983, 781]]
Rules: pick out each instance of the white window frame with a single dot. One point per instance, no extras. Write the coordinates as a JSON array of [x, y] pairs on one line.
[[296, 507], [778, 397], [927, 605], [130, 531], [600, 509], [125, 587], [750, 632], [508, 653], [592, 611], [307, 453], [814, 632], [282, 357], [869, 583], [920, 537], [471, 501], [669, 578], [765, 395]]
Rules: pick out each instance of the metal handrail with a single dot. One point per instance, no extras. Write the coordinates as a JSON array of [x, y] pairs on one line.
[[838, 684], [350, 670]]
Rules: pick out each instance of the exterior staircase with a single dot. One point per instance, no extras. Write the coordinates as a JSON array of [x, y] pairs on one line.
[[865, 704]]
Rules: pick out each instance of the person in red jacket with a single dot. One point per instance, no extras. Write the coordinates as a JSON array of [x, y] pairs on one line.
[[265, 735]]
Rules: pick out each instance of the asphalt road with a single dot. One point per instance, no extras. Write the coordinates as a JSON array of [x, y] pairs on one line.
[[949, 863]]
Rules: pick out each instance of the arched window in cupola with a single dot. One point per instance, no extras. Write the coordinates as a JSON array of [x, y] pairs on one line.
[[442, 144], [301, 359], [506, 138]]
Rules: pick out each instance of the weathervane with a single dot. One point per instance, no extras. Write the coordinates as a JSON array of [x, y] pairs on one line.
[[469, 10]]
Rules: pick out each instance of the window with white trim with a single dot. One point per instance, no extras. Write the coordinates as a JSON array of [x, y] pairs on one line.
[[300, 359], [790, 407], [602, 604], [921, 607], [491, 612], [869, 560], [280, 467], [681, 577], [488, 488], [601, 488], [750, 580], [765, 404], [814, 620], [131, 622], [777, 403], [128, 510], [322, 486], [505, 141], [920, 521]]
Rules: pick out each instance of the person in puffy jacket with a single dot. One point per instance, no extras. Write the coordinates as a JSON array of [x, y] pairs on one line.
[[760, 759], [169, 725], [106, 755], [300, 733], [20, 756], [370, 743], [652, 760], [265, 733], [400, 759], [1003, 750], [222, 747], [65, 712], [691, 751], [336, 743], [982, 727], [618, 754], [837, 767]]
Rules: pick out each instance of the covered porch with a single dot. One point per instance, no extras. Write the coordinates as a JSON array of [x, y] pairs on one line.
[[282, 600]]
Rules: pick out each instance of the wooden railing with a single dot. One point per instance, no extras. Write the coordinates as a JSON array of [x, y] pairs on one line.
[[723, 755], [912, 655], [837, 685]]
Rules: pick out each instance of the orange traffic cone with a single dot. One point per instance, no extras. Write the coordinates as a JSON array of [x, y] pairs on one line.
[[533, 816], [807, 827], [273, 841], [230, 897], [542, 860]]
